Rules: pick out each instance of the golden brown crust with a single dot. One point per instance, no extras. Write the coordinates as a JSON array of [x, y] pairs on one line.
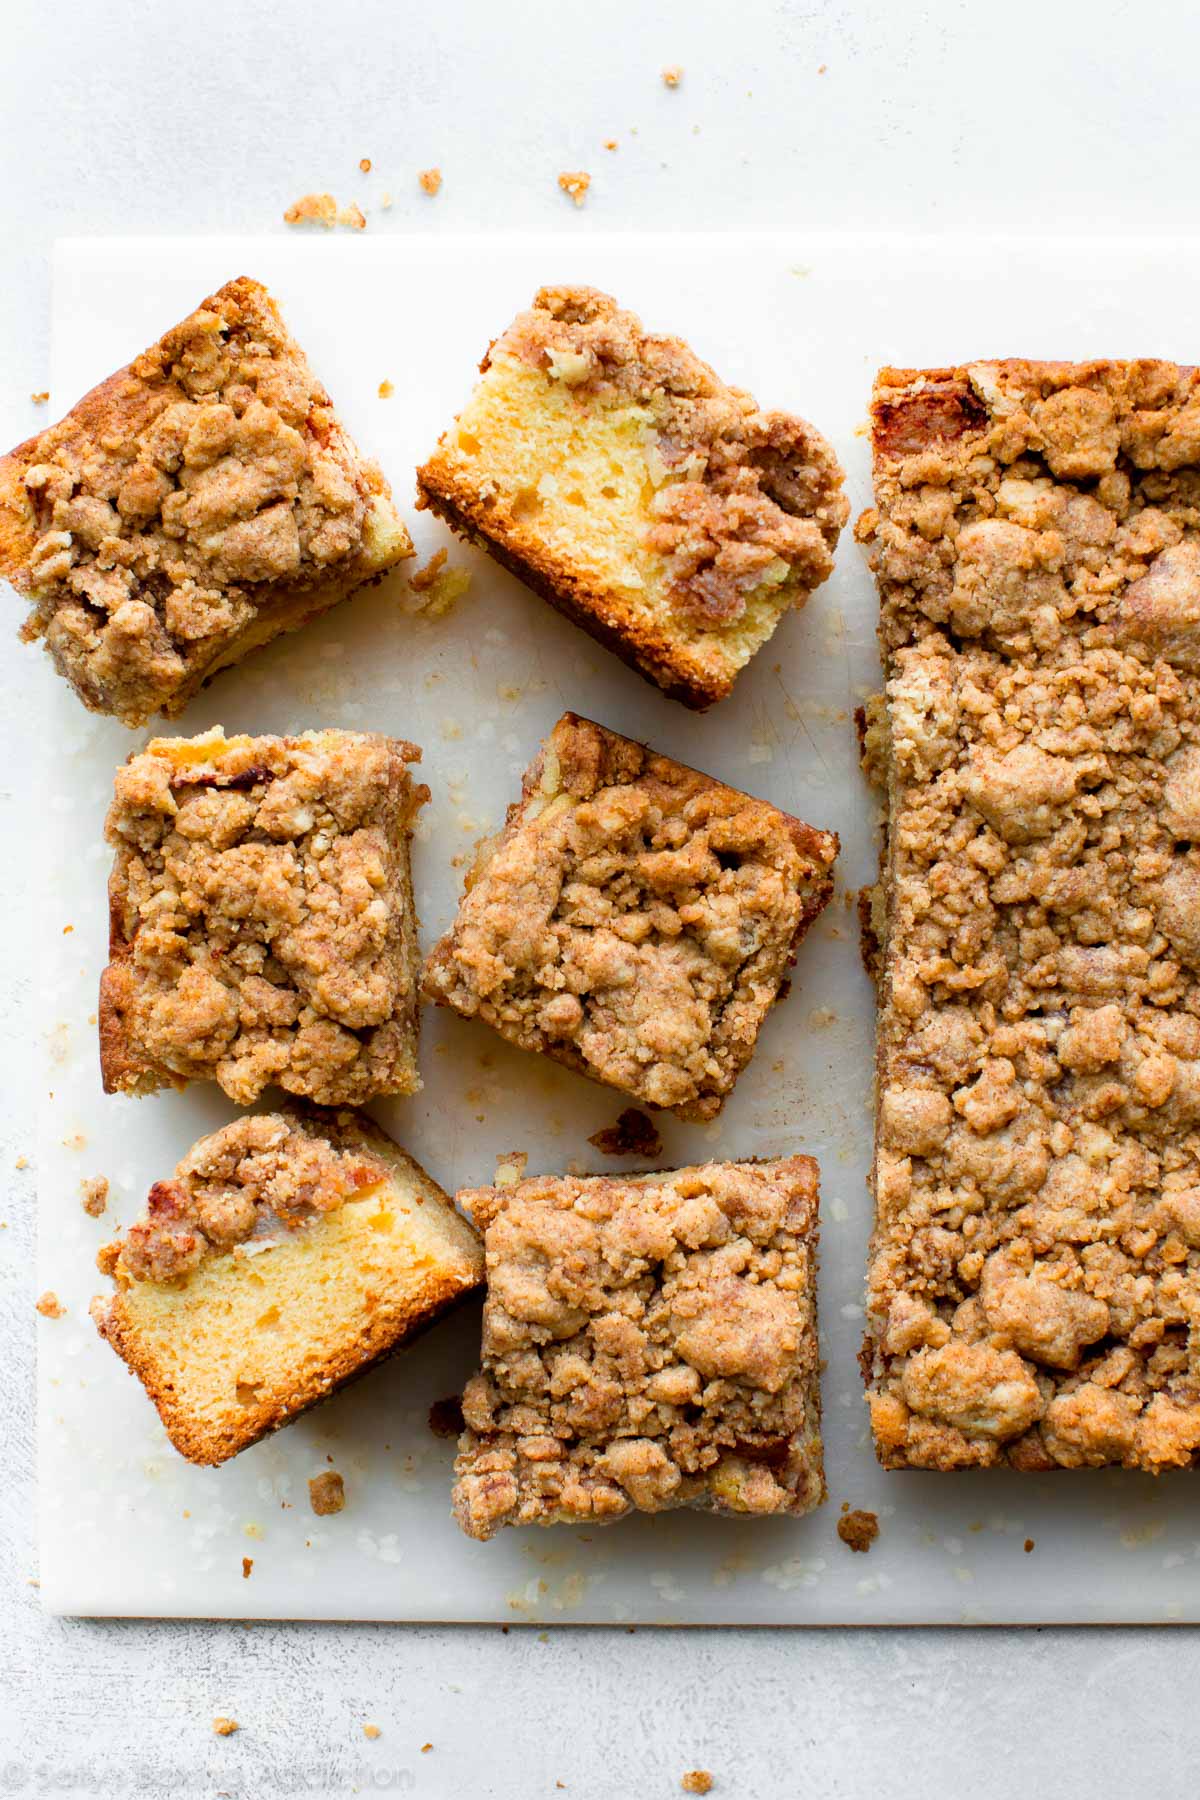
[[189, 508], [387, 1326], [251, 949], [648, 1343], [634, 919], [1037, 1170]]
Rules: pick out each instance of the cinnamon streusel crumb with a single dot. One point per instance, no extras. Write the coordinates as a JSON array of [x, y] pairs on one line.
[[94, 1195], [648, 1342], [192, 507], [1037, 1173], [49, 1305], [858, 1530], [634, 919], [327, 1493], [262, 923], [696, 1781]]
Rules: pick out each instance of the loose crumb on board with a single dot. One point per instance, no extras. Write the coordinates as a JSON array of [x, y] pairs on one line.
[[49, 1305], [510, 1168], [1028, 1545], [371, 1731], [225, 1727], [386, 390], [327, 1493], [364, 163], [22, 1162], [610, 143], [446, 1416], [425, 1749], [858, 1530], [323, 210], [697, 1781], [672, 76], [247, 1566], [438, 588], [94, 1195], [430, 181], [576, 183], [634, 1134], [40, 399]]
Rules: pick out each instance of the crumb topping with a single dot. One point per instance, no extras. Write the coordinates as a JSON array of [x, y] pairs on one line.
[[326, 1495], [634, 1134], [858, 1530], [1037, 1176], [262, 918], [741, 497], [647, 1343], [244, 1184], [201, 485], [94, 1195], [49, 1305], [634, 919]]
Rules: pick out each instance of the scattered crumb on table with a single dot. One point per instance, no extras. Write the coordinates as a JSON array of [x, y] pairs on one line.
[[247, 1565], [76, 1141], [225, 1727], [40, 399], [323, 210], [1028, 1545], [22, 1162], [365, 164], [858, 1530], [425, 1747], [327, 1493], [576, 183], [371, 1731], [49, 1305], [634, 1134], [431, 181], [386, 390], [697, 1781], [94, 1195], [439, 587], [610, 143], [446, 1416], [672, 76]]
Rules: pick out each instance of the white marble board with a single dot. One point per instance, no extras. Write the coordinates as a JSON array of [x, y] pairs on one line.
[[128, 1528]]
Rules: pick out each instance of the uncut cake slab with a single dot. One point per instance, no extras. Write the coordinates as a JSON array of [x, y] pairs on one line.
[[128, 1527]]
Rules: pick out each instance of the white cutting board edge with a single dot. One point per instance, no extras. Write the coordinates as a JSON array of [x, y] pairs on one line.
[[128, 1529]]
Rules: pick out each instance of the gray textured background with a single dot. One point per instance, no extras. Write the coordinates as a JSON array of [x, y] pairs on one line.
[[127, 116]]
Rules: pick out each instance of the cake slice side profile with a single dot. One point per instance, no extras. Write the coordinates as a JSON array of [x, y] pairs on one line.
[[634, 919], [289, 1253], [649, 1342], [1037, 1168], [189, 509], [616, 475]]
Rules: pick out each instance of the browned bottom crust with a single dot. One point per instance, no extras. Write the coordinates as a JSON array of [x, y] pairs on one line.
[[388, 1331], [651, 654]]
